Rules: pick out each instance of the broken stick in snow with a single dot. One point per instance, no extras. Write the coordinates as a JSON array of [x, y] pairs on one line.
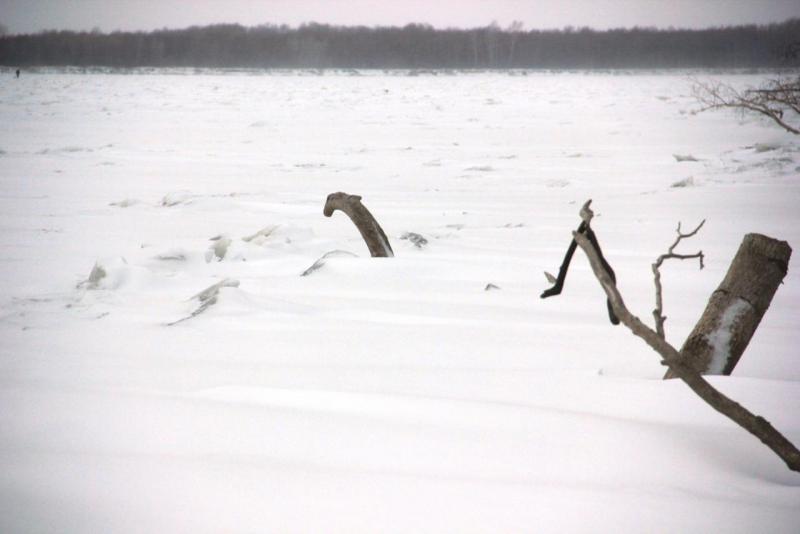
[[371, 231]]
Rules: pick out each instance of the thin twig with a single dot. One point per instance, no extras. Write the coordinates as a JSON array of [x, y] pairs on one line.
[[658, 312]]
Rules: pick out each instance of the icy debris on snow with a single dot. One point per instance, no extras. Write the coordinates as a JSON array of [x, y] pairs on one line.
[[125, 203], [720, 338], [418, 240], [259, 237], [95, 277], [207, 298], [172, 255], [321, 261], [491, 287], [686, 182], [64, 150], [480, 168], [212, 291], [684, 157], [218, 248], [765, 147], [175, 198]]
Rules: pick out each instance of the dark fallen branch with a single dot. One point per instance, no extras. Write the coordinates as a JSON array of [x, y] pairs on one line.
[[558, 283]]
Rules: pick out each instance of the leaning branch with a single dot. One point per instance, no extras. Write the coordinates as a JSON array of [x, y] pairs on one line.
[[755, 424]]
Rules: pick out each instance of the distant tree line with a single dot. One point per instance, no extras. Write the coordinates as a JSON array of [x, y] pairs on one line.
[[413, 46]]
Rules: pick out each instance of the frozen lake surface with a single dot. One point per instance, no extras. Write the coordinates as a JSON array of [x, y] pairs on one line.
[[378, 395]]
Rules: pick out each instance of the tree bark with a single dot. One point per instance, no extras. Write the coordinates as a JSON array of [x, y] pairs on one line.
[[735, 309]]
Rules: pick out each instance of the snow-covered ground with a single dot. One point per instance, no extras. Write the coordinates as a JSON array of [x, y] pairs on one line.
[[378, 395]]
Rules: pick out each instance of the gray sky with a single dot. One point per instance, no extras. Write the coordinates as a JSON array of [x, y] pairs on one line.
[[24, 16]]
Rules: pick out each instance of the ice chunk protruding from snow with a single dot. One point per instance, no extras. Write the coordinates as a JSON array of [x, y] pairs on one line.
[[218, 248], [766, 147], [684, 157], [106, 274], [115, 273], [720, 338]]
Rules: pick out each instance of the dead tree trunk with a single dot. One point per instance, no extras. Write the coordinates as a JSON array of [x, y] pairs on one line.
[[735, 309]]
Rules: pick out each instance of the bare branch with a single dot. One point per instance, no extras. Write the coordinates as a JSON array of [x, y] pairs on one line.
[[755, 424], [658, 313], [774, 100]]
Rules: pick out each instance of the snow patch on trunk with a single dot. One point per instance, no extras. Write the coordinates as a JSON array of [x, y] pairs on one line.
[[720, 338]]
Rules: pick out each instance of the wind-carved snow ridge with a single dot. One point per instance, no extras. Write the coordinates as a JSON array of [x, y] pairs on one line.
[[207, 297], [261, 236], [720, 338], [321, 261]]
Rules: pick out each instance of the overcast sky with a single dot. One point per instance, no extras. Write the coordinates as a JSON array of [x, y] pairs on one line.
[[24, 16]]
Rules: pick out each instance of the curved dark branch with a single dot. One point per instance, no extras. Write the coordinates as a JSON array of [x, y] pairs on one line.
[[558, 283], [370, 230]]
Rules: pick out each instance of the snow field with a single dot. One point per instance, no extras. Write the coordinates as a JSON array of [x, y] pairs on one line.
[[391, 394]]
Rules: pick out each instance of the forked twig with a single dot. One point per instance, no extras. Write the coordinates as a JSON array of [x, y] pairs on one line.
[[658, 312]]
